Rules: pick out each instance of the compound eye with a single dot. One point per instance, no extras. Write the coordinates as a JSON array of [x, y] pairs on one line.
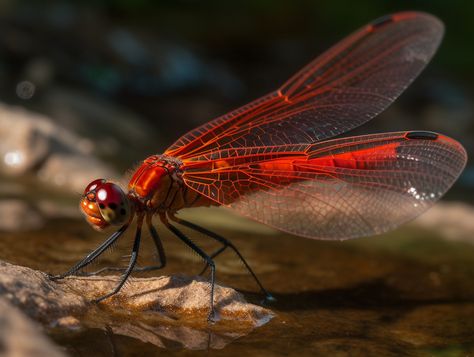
[[94, 185], [113, 203]]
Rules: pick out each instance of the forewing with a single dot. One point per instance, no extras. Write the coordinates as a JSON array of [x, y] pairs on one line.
[[343, 88], [338, 189]]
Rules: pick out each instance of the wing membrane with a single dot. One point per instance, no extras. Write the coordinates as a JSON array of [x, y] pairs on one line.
[[343, 88], [337, 189]]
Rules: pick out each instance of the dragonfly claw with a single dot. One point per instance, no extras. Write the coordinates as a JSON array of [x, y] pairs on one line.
[[53, 277]]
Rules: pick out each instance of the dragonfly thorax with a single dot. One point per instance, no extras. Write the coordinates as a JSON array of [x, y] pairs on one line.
[[157, 183]]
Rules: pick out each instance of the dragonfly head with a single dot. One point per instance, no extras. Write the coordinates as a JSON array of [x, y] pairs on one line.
[[105, 204]]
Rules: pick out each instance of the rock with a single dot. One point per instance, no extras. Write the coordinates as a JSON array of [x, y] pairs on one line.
[[17, 215], [72, 172], [24, 141], [36, 295], [19, 336], [31, 143], [154, 310], [172, 295], [453, 220], [69, 322]]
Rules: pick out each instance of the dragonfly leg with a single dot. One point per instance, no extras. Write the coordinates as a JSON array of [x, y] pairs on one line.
[[213, 255], [225, 243], [131, 265], [158, 245], [159, 248], [212, 315], [100, 271], [89, 258]]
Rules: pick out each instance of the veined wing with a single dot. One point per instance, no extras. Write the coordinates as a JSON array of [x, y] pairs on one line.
[[337, 189], [343, 88]]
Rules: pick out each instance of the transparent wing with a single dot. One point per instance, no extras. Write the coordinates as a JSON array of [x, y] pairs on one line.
[[337, 189], [343, 88]]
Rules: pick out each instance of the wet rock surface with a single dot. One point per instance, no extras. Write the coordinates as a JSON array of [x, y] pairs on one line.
[[153, 310], [172, 296]]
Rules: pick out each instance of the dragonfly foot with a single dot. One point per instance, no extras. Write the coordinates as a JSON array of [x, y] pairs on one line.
[[100, 299], [54, 277], [213, 317], [269, 298]]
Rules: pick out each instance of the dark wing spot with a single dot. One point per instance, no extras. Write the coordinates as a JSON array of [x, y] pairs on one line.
[[422, 135], [123, 212], [101, 206], [112, 205]]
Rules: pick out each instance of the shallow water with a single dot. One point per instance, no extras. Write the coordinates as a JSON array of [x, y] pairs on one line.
[[405, 293]]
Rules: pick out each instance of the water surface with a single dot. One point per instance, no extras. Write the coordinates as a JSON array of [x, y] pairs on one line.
[[405, 293]]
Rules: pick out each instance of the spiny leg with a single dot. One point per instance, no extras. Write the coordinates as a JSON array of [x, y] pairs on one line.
[[159, 248], [131, 264], [158, 245], [213, 255], [202, 254], [93, 255], [226, 243]]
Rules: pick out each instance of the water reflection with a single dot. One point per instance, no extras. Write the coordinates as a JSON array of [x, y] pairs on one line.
[[168, 336]]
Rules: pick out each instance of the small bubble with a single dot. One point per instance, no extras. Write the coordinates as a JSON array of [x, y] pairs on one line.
[[25, 89]]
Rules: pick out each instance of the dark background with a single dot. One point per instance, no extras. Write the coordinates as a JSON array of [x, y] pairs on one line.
[[177, 64]]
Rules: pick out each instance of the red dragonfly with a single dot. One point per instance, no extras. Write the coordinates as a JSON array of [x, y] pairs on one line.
[[271, 160]]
